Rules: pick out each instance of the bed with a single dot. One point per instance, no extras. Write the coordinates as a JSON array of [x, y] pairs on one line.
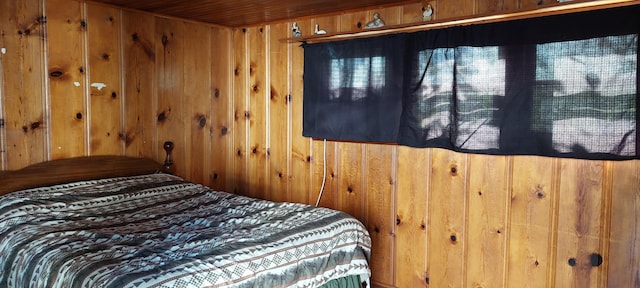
[[114, 221]]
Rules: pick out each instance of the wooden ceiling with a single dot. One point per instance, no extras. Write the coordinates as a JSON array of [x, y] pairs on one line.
[[240, 13]]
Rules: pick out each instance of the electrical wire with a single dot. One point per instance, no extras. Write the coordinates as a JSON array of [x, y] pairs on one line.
[[324, 165]]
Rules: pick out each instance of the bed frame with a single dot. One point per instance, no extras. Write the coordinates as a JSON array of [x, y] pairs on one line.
[[82, 168]]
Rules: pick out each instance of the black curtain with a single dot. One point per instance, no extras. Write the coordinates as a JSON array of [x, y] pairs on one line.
[[563, 86]]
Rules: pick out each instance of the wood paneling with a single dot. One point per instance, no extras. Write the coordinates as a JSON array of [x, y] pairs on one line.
[[301, 160], [23, 118], [453, 9], [241, 13], [231, 100], [197, 93], [171, 112], [279, 97], [241, 113], [258, 112], [139, 68], [448, 214], [531, 221], [624, 239], [579, 223], [413, 174], [488, 197], [105, 92], [379, 188], [66, 36], [221, 109]]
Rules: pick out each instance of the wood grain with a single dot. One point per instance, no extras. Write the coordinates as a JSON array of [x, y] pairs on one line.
[[258, 113], [105, 94], [242, 13], [301, 147], [171, 112], [411, 220], [579, 221], [66, 32], [547, 210], [531, 222], [624, 253], [241, 113], [140, 105], [279, 99], [197, 95], [24, 125], [222, 152], [75, 169], [379, 188], [447, 218], [488, 196]]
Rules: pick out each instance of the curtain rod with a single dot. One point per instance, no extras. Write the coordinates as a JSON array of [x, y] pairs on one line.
[[554, 9]]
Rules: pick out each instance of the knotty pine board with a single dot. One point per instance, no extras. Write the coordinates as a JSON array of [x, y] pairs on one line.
[[279, 106], [68, 91], [300, 158], [23, 120], [624, 238], [257, 115], [221, 109], [197, 95], [105, 94], [171, 111], [139, 66], [547, 210], [241, 113], [533, 195], [413, 176]]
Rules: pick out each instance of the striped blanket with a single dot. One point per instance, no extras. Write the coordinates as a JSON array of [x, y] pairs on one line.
[[158, 230]]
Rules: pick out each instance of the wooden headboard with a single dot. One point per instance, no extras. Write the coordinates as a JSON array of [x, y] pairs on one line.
[[82, 168]]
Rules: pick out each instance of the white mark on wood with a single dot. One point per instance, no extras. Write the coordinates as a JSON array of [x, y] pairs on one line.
[[98, 85], [77, 84], [3, 50]]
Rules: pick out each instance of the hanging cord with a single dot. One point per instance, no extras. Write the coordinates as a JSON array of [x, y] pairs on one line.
[[324, 166]]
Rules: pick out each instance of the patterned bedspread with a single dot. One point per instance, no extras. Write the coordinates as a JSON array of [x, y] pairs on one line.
[[158, 230]]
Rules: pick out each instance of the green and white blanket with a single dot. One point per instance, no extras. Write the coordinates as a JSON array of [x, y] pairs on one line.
[[159, 230]]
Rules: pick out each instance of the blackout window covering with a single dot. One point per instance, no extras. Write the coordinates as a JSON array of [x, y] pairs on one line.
[[561, 86]]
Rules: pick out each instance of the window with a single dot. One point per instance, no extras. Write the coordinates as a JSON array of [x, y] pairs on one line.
[[561, 85], [476, 75], [589, 86], [358, 73]]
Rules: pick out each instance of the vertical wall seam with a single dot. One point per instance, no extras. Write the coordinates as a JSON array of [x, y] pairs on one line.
[[3, 127], [208, 132], [605, 228], [364, 185], [267, 109], [465, 227], [247, 107], [552, 252], [428, 172], [154, 96], [182, 105], [394, 210], [507, 218], [122, 80], [84, 14], [288, 100], [46, 92], [394, 190], [229, 182]]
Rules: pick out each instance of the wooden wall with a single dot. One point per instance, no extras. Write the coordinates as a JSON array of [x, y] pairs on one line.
[[231, 100]]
